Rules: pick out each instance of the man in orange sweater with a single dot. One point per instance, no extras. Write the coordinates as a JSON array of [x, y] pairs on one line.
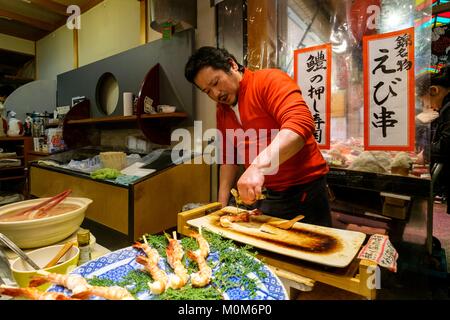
[[263, 111]]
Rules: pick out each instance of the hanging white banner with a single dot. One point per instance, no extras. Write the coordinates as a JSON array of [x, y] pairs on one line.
[[312, 72], [389, 91]]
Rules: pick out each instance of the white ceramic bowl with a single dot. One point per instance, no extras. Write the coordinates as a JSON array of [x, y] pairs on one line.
[[166, 109], [45, 231], [23, 272]]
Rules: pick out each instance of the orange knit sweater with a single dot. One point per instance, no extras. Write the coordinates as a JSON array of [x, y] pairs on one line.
[[270, 100]]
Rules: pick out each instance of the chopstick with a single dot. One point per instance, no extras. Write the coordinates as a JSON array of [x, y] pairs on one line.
[[45, 208], [36, 207], [59, 255]]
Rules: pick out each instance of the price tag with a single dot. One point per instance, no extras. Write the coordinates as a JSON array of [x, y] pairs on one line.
[[380, 250]]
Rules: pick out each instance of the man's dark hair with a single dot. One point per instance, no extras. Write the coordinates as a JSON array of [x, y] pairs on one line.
[[425, 81], [209, 57]]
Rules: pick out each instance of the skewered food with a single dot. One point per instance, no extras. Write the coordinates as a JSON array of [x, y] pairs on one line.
[[203, 276], [227, 220], [150, 263], [110, 293], [175, 255], [80, 287], [32, 293], [75, 283]]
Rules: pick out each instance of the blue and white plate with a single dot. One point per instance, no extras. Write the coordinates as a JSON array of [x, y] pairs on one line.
[[115, 265]]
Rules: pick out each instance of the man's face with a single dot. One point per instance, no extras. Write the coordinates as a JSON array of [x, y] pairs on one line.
[[219, 85]]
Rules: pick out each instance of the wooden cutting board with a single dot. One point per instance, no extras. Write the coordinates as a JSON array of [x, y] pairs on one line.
[[322, 245]]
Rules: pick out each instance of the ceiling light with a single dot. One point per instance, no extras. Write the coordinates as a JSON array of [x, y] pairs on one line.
[[27, 1]]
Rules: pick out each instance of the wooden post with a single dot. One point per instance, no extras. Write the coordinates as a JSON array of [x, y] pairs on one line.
[[76, 61], [144, 21], [368, 271], [262, 34]]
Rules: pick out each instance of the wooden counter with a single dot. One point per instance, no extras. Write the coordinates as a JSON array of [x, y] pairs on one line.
[[150, 205]]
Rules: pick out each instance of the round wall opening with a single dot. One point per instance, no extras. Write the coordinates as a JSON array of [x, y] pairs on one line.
[[107, 93]]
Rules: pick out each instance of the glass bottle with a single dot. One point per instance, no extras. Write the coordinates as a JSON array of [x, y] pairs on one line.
[[83, 239]]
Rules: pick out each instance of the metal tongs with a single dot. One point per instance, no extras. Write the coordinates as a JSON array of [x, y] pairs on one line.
[[6, 276], [6, 241]]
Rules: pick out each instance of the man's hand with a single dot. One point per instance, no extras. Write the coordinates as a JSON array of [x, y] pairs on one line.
[[250, 184]]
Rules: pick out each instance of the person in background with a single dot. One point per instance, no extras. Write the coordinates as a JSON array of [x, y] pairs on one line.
[[262, 101], [434, 93], [5, 91]]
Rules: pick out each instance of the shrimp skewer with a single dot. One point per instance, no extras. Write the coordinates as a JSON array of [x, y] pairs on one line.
[[32, 293], [227, 220], [110, 293], [80, 287], [203, 276], [202, 243], [175, 255], [150, 264], [73, 282]]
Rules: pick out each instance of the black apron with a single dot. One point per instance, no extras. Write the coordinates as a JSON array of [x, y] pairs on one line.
[[310, 200]]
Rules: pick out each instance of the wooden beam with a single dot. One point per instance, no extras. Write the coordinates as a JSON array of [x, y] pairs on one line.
[[144, 21], [76, 60], [89, 5], [22, 35], [445, 7], [27, 20], [52, 6]]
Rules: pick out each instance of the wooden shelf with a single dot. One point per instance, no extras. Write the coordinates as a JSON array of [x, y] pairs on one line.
[[103, 120], [113, 119], [13, 178], [14, 138], [80, 129], [12, 168], [165, 115], [52, 125], [19, 173], [14, 157], [16, 79], [39, 153]]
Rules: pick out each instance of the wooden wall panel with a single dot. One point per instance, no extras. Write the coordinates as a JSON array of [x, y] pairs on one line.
[[159, 199]]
